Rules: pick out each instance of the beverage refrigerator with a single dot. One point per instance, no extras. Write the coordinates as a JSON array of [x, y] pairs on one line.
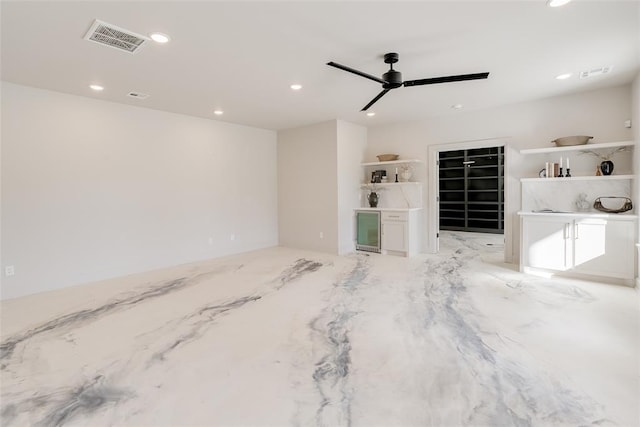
[[368, 231]]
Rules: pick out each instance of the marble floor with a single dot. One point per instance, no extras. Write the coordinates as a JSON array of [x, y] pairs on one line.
[[284, 337]]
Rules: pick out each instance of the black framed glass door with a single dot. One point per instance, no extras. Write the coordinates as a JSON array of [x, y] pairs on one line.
[[471, 195]]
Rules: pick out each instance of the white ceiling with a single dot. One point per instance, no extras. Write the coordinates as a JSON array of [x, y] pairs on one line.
[[242, 56]]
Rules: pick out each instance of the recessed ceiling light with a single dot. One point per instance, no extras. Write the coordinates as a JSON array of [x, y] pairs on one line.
[[457, 106], [556, 3], [563, 76], [97, 88], [218, 112], [159, 37], [296, 87], [371, 114]]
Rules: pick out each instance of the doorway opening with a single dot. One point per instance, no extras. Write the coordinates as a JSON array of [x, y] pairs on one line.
[[473, 194], [471, 190]]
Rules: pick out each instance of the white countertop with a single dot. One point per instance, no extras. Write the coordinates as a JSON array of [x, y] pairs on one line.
[[388, 209], [602, 215]]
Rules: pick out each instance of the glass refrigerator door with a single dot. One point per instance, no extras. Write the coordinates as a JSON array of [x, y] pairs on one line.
[[368, 231]]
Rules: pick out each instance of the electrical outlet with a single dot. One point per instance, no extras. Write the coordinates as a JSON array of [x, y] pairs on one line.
[[232, 237], [321, 235], [9, 270]]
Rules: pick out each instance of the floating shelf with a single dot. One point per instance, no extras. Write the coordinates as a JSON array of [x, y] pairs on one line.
[[392, 162], [388, 184], [580, 178], [597, 146]]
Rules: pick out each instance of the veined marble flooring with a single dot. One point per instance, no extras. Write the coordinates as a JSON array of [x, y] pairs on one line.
[[285, 337]]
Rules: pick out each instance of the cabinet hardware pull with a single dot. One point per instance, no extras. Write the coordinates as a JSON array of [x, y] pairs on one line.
[[577, 236]]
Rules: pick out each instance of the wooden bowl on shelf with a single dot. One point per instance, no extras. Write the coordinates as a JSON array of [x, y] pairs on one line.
[[387, 157], [572, 140]]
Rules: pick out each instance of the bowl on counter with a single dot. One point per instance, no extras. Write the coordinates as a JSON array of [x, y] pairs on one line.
[[572, 140], [387, 157]]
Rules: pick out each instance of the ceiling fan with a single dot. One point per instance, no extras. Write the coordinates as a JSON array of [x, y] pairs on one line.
[[392, 79]]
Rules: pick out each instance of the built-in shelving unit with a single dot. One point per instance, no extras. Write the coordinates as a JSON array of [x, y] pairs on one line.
[[596, 146], [579, 191], [472, 190]]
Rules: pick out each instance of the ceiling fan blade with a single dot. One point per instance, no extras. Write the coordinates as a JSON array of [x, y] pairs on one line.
[[446, 79], [360, 73], [374, 100]]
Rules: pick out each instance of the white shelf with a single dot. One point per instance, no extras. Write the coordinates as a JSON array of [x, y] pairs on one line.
[[388, 184], [579, 178], [388, 209], [392, 162], [597, 146]]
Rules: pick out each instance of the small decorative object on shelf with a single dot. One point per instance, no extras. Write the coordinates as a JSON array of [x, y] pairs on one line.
[[614, 204], [373, 196], [373, 199], [568, 175], [606, 167], [582, 204], [560, 175], [387, 157], [572, 140], [379, 176], [405, 172]]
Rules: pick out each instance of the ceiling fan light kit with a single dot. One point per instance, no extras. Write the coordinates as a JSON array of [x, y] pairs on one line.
[[392, 79]]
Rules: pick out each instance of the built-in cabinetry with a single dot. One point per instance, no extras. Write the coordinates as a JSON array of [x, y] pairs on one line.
[[600, 246], [471, 190], [576, 239], [399, 232], [400, 205]]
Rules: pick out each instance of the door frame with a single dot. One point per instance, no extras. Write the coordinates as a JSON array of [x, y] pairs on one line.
[[433, 174]]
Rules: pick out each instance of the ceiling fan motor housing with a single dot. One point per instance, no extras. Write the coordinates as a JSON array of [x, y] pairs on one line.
[[392, 78]]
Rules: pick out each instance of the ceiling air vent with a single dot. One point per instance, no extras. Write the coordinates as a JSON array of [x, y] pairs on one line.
[[115, 37], [138, 95], [595, 72]]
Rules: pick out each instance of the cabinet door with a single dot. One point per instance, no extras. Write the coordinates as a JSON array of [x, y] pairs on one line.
[[604, 248], [394, 236], [547, 243]]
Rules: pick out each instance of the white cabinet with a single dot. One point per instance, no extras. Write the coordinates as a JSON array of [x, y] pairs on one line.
[[592, 245], [400, 232], [395, 231], [547, 244], [604, 247]]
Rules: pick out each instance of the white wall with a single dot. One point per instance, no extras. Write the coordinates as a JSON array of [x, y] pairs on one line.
[[319, 177], [307, 187], [93, 190], [598, 113], [635, 126], [352, 143]]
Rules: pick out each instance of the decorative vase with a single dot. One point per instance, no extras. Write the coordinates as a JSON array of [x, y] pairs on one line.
[[606, 167], [373, 199], [405, 175]]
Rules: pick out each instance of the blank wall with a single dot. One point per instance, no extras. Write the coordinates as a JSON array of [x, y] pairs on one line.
[[93, 190]]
